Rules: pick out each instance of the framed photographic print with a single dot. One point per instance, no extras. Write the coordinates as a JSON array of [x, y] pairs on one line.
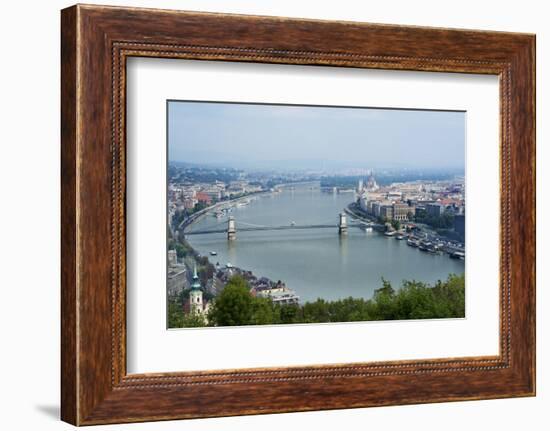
[[268, 215]]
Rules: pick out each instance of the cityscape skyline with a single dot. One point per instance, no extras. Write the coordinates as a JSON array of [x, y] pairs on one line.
[[298, 137]]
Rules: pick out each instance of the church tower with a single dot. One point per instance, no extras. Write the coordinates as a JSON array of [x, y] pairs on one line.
[[195, 296]]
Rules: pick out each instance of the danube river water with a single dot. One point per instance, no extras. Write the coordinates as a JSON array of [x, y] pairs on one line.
[[316, 263]]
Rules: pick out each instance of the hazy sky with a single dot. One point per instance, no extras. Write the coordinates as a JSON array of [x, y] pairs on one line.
[[271, 136]]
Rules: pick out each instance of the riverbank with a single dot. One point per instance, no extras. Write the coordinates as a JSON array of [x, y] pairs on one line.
[[421, 234], [231, 202], [218, 205], [351, 211]]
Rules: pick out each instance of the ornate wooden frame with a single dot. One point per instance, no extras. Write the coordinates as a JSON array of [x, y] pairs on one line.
[[95, 43]]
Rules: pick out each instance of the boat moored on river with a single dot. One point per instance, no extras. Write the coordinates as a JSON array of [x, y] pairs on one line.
[[457, 255], [412, 242]]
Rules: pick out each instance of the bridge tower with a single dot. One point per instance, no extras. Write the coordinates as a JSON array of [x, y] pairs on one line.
[[231, 229], [343, 224]]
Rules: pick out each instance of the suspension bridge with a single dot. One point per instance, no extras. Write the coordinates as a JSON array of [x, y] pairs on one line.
[[231, 227]]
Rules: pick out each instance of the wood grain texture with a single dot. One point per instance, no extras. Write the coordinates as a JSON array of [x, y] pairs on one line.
[[69, 367], [96, 41]]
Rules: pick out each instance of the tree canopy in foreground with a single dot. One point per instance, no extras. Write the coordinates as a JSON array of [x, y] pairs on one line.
[[235, 306]]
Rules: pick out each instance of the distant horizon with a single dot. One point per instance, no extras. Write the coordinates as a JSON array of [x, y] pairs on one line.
[[319, 138], [374, 169]]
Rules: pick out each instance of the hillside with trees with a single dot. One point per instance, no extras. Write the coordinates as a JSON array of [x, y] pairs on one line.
[[235, 306]]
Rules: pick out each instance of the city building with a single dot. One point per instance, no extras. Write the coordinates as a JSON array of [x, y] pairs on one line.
[[279, 294], [189, 204], [204, 198], [420, 211], [434, 210], [172, 258], [237, 187], [394, 195], [214, 194], [364, 202], [371, 184], [176, 280], [400, 211], [460, 226], [375, 208], [386, 212]]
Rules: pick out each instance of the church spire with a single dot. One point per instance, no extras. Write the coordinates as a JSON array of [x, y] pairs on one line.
[[196, 283]]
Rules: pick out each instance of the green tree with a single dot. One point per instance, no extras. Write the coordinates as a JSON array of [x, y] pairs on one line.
[[350, 310], [175, 315], [451, 294], [413, 300], [206, 272], [396, 224], [234, 304], [317, 312], [384, 299], [263, 312], [182, 248], [290, 313], [443, 221], [193, 320], [178, 217]]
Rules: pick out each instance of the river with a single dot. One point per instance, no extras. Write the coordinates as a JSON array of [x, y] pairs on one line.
[[317, 263]]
